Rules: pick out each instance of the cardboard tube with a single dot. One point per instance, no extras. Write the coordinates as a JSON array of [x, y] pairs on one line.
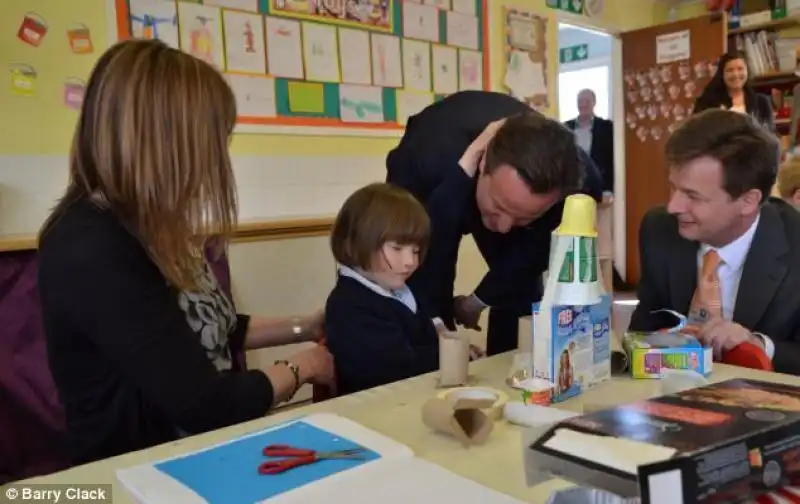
[[453, 359], [494, 412]]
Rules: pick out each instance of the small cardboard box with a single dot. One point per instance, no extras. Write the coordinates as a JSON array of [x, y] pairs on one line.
[[721, 444], [461, 417], [649, 353], [576, 354]]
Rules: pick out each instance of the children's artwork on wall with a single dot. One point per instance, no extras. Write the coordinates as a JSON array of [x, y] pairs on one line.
[[255, 95], [80, 39], [74, 89], [354, 55], [155, 19], [421, 22], [465, 6], [320, 52], [318, 67], [32, 29], [244, 42], [462, 30], [525, 57], [244, 5], [387, 68], [361, 103], [201, 32], [445, 69], [369, 14], [470, 75], [417, 65], [410, 103], [23, 79], [284, 48], [439, 4]]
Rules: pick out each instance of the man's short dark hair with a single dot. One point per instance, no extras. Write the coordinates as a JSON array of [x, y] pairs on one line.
[[541, 150], [748, 152], [373, 215]]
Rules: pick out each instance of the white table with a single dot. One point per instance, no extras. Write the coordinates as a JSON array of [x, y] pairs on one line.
[[394, 410]]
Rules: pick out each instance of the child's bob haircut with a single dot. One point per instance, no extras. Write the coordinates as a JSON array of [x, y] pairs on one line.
[[373, 215]]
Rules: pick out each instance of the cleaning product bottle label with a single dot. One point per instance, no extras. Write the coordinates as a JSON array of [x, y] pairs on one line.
[[587, 263]]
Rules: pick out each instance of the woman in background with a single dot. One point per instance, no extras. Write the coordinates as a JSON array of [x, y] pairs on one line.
[[730, 88], [789, 182], [139, 335]]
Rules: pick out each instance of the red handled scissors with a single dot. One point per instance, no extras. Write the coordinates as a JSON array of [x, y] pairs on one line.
[[296, 457]]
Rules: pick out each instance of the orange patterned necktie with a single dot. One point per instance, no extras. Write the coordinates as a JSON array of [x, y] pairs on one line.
[[708, 295]]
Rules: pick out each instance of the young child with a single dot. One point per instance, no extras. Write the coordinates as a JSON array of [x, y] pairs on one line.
[[376, 329]]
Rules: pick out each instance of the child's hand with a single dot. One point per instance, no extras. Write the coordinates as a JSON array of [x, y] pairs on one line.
[[475, 352]]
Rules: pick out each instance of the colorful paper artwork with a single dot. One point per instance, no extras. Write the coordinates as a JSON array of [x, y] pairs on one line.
[[201, 33], [23, 79], [244, 42], [33, 29], [80, 39], [369, 14], [155, 19]]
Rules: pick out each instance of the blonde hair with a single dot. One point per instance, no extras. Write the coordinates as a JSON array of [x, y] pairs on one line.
[[789, 178], [151, 146]]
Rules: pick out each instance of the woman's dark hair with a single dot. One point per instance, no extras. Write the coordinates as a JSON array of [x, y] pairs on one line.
[[715, 94]]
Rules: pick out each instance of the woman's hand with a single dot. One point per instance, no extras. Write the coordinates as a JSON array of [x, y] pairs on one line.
[[313, 326], [316, 366]]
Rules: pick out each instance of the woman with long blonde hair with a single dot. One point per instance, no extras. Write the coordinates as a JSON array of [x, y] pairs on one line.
[[139, 334]]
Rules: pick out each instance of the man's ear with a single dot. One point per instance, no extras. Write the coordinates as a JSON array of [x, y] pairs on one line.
[[796, 197], [752, 200]]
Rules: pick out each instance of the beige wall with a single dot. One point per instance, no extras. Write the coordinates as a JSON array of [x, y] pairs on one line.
[[294, 276]]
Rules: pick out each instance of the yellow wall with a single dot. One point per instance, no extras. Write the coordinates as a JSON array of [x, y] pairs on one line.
[[43, 125]]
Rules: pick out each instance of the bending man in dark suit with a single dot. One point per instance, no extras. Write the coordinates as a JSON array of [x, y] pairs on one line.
[[595, 135], [722, 168], [485, 164]]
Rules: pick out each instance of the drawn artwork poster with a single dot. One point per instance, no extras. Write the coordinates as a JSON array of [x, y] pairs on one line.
[[371, 14], [154, 19], [244, 42], [201, 32]]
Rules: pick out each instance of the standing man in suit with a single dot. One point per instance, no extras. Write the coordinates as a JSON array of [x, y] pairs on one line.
[[722, 244], [485, 164], [595, 135]]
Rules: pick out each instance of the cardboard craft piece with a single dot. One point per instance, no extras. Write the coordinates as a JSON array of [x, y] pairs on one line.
[[462, 418]]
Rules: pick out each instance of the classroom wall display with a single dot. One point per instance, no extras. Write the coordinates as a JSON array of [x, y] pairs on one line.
[[525, 57], [341, 67]]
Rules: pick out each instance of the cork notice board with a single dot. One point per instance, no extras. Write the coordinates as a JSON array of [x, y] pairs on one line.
[[525, 73]]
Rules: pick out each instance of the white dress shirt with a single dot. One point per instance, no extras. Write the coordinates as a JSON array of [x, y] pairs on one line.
[[729, 271]]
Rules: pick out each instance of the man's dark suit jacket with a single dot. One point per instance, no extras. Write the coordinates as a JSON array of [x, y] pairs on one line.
[[768, 300], [602, 151], [426, 163]]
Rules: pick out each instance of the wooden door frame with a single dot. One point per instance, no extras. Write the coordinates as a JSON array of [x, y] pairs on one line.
[[618, 117]]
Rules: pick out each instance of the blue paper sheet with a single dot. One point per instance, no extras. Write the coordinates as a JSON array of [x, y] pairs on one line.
[[228, 474]]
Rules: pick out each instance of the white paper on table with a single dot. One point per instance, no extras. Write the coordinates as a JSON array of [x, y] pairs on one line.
[[255, 96], [245, 5], [355, 56], [465, 6], [445, 69], [201, 32], [284, 48], [244, 42], [417, 65], [155, 19], [320, 52], [410, 103], [421, 22], [360, 103], [387, 63], [396, 478], [470, 70], [524, 78], [462, 30], [625, 455]]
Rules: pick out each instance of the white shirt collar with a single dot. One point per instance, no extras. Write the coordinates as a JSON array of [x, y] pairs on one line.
[[404, 295], [735, 253]]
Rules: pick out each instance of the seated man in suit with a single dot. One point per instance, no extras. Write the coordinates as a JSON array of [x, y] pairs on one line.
[[722, 244], [485, 164]]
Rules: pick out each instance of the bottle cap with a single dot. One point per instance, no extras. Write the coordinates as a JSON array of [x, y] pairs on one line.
[[579, 216]]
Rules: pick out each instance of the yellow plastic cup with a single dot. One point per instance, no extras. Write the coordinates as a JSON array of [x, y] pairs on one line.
[[578, 219]]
